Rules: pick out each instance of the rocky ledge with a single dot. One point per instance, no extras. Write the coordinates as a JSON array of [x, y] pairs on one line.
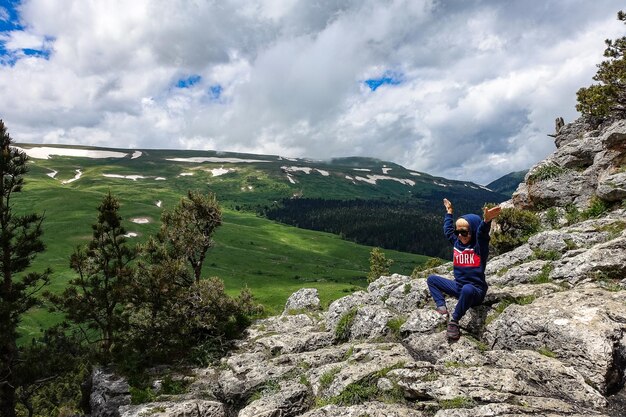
[[549, 340]]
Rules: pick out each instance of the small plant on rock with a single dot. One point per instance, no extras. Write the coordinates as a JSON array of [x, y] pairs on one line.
[[546, 352], [457, 402], [572, 214], [552, 217], [545, 172], [394, 326], [546, 255], [544, 275], [328, 377], [516, 226], [342, 332], [597, 207]]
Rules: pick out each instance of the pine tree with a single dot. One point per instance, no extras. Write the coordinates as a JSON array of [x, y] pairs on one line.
[[20, 241], [96, 297], [379, 265], [607, 98], [189, 228]]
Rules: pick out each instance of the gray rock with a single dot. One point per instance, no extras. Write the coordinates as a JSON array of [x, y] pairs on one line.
[[482, 383], [246, 372], [521, 274], [317, 358], [589, 160], [199, 408], [370, 322], [410, 295], [399, 292], [612, 187], [303, 340], [605, 260], [583, 328], [343, 305], [304, 299], [109, 392], [571, 132], [364, 360], [290, 400], [497, 294], [436, 349], [551, 240], [371, 409], [554, 379], [282, 324], [507, 260], [423, 321]]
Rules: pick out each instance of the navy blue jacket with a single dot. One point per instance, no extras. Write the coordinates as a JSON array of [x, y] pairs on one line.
[[469, 261]]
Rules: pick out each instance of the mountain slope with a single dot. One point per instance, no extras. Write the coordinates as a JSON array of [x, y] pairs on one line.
[[287, 190], [508, 183]]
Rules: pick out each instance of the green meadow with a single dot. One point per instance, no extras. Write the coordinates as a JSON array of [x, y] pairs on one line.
[[271, 259]]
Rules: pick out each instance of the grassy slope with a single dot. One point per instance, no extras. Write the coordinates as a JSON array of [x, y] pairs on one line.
[[273, 260]]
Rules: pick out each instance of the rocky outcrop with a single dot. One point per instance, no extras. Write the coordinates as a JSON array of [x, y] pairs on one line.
[[549, 339], [586, 164], [109, 392]]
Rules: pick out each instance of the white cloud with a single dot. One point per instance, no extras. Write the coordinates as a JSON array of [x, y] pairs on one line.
[[481, 81]]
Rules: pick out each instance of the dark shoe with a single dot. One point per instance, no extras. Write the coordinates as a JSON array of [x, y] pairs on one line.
[[453, 331]]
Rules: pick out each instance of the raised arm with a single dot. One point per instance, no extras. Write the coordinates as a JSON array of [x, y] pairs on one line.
[[485, 225], [448, 222]]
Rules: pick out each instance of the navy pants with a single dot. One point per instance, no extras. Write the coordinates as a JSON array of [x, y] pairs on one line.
[[468, 295]]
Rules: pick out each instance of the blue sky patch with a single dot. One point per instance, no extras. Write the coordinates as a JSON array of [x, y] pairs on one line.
[[37, 53], [215, 91], [189, 81], [10, 22], [8, 15], [387, 78]]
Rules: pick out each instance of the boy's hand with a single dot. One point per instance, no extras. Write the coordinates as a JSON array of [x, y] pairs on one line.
[[448, 206], [492, 213]]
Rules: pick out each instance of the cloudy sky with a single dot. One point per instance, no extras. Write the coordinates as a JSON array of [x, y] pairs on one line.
[[465, 89]]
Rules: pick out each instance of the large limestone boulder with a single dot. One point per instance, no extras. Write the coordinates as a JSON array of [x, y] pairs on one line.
[[360, 361], [289, 400], [603, 261], [304, 299], [246, 372], [371, 409], [199, 408], [586, 163], [109, 392], [551, 376], [583, 328]]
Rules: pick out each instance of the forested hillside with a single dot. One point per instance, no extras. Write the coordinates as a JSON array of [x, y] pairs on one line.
[[413, 225]]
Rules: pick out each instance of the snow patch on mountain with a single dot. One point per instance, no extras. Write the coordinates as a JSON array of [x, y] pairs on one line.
[[76, 177], [219, 171], [371, 179], [306, 170], [199, 160], [45, 152], [128, 177]]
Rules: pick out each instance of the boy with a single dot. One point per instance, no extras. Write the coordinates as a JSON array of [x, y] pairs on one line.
[[470, 238]]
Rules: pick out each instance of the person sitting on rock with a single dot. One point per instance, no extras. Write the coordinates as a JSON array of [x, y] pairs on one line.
[[470, 237]]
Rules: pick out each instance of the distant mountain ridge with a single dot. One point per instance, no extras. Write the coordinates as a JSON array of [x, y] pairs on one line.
[[508, 183], [353, 169], [366, 200]]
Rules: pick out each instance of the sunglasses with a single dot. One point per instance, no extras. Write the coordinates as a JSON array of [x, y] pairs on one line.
[[462, 232]]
